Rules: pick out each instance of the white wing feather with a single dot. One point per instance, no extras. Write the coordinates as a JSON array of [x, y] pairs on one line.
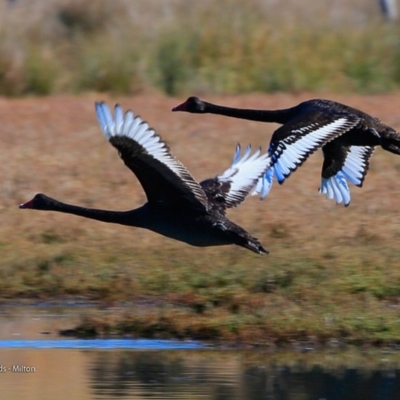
[[290, 153], [354, 169], [245, 175], [135, 128]]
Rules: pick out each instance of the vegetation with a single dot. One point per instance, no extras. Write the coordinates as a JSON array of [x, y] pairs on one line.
[[182, 47], [332, 274]]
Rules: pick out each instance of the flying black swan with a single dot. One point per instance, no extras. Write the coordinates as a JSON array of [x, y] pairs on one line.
[[347, 136], [177, 206]]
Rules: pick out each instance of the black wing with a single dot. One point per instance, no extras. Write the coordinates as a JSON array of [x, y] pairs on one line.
[[294, 142], [352, 161], [163, 177]]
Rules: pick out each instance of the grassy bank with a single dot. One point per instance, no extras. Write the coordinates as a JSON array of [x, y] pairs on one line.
[[205, 47], [333, 272]]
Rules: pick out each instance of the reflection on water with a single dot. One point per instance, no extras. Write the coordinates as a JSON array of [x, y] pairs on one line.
[[37, 364], [42, 321], [196, 374], [215, 375]]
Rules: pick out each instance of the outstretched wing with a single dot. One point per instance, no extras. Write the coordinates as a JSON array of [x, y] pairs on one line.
[[233, 186], [264, 184], [341, 164], [294, 142], [162, 176]]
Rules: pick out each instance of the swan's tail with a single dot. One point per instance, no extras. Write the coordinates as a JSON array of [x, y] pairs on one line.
[[242, 238]]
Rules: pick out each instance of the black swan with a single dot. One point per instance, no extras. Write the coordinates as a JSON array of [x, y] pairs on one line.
[[347, 136], [178, 207]]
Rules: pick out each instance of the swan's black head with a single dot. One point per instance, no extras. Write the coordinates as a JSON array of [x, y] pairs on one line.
[[193, 105], [39, 202]]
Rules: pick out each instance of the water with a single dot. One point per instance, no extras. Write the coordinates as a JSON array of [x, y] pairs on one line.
[[35, 363], [139, 344]]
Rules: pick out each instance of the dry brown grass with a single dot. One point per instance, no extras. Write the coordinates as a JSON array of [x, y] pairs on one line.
[[327, 262], [54, 146]]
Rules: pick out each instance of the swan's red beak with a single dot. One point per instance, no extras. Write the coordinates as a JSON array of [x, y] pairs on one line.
[[28, 204], [181, 107]]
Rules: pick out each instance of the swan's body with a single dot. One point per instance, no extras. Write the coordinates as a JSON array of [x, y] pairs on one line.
[[347, 136], [178, 207]]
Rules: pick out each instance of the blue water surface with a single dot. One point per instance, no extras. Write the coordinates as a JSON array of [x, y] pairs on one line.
[[141, 344]]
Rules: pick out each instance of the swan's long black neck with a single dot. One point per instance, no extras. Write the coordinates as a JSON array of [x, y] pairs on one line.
[[278, 116], [43, 202]]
